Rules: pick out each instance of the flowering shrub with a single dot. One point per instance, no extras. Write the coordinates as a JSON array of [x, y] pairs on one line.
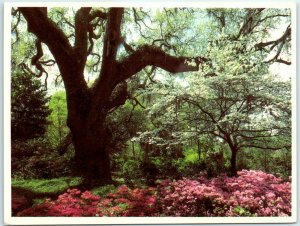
[[18, 202], [128, 202], [251, 193], [260, 193], [188, 198], [74, 203]]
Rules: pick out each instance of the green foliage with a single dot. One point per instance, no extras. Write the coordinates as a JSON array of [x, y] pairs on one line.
[[104, 190], [191, 155], [123, 124], [280, 163], [29, 107], [36, 159], [190, 165], [38, 201], [57, 128], [47, 186], [243, 212], [131, 170], [277, 162]]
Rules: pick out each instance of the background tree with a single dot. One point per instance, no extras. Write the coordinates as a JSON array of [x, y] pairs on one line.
[[29, 107], [57, 129], [244, 112], [95, 38]]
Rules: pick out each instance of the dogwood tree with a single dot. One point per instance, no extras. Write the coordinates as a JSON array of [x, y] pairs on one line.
[[242, 103]]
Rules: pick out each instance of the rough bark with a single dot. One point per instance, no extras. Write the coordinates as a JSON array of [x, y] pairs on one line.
[[92, 157]]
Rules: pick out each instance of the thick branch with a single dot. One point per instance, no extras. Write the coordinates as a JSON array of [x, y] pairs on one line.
[[149, 55], [250, 22], [283, 38], [113, 34], [255, 137], [106, 82], [50, 34], [46, 30], [81, 35]]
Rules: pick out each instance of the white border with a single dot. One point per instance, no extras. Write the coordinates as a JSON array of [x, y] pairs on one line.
[[294, 114], [8, 219], [155, 4], [6, 115]]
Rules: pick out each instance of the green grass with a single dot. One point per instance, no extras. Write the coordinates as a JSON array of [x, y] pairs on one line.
[[104, 190], [55, 185]]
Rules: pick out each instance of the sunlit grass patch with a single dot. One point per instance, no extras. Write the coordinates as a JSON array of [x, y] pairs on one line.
[[47, 185]]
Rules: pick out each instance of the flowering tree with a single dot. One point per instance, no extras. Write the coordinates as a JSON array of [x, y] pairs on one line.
[[245, 111], [234, 98]]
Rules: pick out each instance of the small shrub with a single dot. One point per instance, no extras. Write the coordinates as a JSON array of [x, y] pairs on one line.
[[35, 158]]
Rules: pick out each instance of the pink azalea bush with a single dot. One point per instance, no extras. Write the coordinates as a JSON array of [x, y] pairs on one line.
[[251, 193], [130, 202], [74, 203]]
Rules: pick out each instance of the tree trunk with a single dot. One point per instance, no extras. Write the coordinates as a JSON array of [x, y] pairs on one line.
[[93, 163], [199, 150], [265, 161], [92, 159], [90, 139], [233, 169]]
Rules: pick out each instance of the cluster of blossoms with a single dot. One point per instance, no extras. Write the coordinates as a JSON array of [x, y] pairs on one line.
[[130, 202], [74, 203], [251, 193]]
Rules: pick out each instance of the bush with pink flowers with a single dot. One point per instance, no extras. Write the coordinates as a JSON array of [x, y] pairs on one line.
[[130, 202], [251, 193], [74, 203]]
